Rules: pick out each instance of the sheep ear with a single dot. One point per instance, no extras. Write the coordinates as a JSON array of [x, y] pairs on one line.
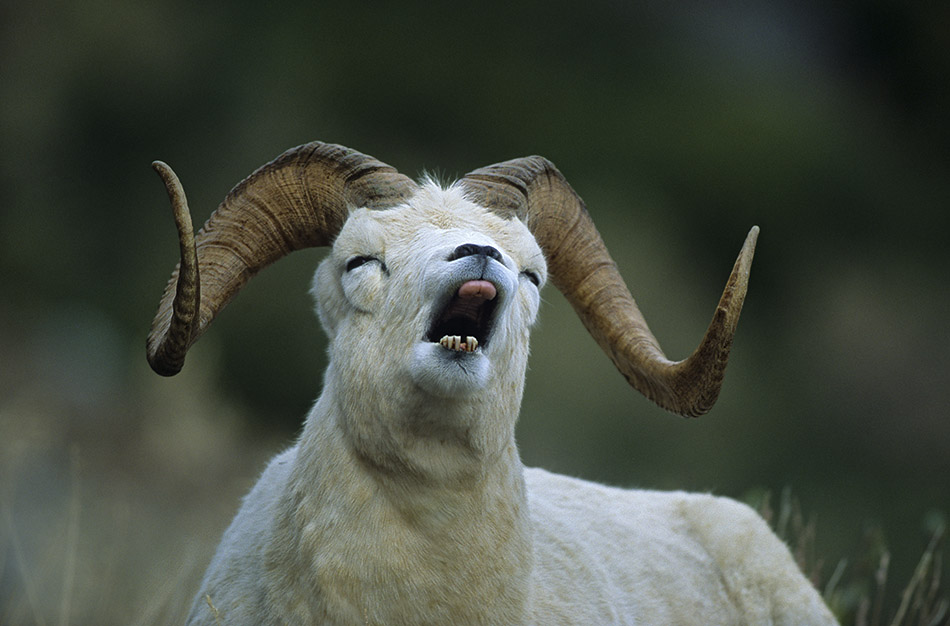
[[582, 269], [299, 200]]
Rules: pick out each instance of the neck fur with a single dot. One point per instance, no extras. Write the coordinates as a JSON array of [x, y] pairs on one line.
[[442, 509]]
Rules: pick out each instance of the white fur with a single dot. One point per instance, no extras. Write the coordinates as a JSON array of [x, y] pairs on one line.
[[405, 502]]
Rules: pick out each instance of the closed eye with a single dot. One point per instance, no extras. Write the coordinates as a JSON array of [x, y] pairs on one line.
[[533, 277], [360, 260]]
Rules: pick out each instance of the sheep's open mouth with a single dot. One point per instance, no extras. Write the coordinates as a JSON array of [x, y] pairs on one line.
[[465, 322]]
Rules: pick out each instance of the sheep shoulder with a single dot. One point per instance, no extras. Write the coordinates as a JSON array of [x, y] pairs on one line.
[[233, 584], [639, 556]]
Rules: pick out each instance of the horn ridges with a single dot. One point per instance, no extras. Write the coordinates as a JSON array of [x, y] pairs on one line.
[[582, 269], [300, 199]]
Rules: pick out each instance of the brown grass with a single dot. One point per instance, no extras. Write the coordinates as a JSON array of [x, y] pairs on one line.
[[110, 512], [862, 595]]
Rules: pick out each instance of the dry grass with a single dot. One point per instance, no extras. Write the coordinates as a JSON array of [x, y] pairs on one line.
[[92, 555], [858, 590], [110, 511]]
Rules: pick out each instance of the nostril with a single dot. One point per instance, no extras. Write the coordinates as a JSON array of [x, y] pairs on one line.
[[472, 249]]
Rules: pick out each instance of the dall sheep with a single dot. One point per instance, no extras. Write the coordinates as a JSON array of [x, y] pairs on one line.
[[404, 500]]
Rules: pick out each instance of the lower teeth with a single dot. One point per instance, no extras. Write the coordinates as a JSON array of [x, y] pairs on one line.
[[454, 342]]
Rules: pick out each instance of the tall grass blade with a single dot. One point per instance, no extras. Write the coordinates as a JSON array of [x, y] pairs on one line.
[[72, 542]]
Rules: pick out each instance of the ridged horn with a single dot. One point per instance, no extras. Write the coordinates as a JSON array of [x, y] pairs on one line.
[[299, 200], [582, 269]]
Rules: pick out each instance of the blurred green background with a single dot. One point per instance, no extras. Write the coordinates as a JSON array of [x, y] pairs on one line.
[[681, 124]]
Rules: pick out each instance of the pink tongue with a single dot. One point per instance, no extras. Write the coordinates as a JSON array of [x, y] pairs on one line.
[[481, 289]]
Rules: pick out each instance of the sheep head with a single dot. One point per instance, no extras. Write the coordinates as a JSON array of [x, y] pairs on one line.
[[428, 307], [438, 291], [419, 270]]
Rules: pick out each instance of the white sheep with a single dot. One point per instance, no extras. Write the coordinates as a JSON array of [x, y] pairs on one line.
[[404, 501]]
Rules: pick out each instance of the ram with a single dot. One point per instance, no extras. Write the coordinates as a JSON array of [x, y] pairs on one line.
[[404, 500]]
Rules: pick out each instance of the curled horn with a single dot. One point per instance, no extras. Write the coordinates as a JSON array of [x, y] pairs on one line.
[[298, 200], [532, 189]]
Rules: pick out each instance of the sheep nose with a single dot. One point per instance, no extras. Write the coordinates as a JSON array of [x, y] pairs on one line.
[[472, 249]]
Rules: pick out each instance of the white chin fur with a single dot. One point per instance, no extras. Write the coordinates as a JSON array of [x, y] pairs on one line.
[[447, 373]]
